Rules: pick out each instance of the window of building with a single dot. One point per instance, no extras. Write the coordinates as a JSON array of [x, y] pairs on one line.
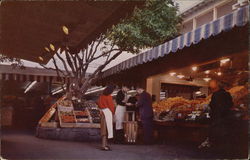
[[225, 9], [206, 18], [187, 27]]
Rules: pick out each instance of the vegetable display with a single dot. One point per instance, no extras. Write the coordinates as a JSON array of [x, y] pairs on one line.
[[174, 108]]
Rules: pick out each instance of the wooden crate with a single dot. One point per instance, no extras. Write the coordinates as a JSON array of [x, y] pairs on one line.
[[47, 116], [70, 110], [131, 131], [129, 116]]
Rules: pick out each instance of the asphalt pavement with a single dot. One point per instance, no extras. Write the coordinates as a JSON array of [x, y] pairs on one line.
[[24, 145]]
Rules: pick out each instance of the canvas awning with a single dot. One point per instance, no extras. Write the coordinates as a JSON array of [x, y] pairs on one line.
[[238, 18], [29, 74]]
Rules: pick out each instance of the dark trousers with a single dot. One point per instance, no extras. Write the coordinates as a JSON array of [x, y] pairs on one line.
[[219, 132], [147, 124], [119, 136]]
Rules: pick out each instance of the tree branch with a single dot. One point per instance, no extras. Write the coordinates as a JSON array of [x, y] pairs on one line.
[[64, 64], [70, 62]]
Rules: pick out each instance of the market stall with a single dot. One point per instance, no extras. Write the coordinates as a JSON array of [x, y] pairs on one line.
[[177, 73], [70, 118], [182, 118]]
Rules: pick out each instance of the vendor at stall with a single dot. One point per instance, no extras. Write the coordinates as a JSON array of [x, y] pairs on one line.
[[121, 100]]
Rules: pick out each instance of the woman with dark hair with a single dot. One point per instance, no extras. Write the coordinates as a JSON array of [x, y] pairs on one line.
[[107, 107]]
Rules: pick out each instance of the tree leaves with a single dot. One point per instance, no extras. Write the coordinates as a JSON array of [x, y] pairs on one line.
[[147, 27]]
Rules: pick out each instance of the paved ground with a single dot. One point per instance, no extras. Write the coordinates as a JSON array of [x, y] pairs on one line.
[[24, 145]]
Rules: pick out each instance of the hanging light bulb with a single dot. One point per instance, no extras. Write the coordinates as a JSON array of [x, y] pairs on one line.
[[172, 73], [198, 92], [194, 68], [223, 61], [65, 30], [47, 49], [180, 76], [207, 79], [52, 47], [219, 73], [207, 72], [40, 58]]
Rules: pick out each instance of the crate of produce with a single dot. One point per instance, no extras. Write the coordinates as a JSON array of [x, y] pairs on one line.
[[67, 116]]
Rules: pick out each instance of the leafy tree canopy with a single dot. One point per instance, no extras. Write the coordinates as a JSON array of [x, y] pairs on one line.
[[147, 27]]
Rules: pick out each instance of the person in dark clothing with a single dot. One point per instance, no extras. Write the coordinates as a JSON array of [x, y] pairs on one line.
[[121, 101], [132, 103], [221, 104], [146, 114]]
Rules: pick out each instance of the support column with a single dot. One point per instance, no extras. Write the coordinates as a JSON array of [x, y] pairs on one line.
[[153, 87], [215, 14], [194, 23]]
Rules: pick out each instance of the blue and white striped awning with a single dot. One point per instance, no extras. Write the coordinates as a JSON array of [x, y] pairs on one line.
[[238, 18]]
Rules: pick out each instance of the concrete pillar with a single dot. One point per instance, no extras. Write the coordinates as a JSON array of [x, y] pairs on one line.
[[215, 13], [153, 87], [194, 23]]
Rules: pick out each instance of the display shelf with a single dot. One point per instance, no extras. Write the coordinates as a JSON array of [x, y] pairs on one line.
[[67, 115]]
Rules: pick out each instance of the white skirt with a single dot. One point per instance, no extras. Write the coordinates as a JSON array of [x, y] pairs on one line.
[[109, 121], [119, 116]]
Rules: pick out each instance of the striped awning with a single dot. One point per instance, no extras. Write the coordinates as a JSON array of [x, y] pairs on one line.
[[237, 18], [7, 72]]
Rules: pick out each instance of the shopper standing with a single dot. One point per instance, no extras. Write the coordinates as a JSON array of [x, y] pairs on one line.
[[107, 107], [146, 114], [121, 100], [221, 104]]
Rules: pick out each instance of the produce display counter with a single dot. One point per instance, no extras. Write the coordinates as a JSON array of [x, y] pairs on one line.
[[182, 124], [181, 131], [180, 119], [196, 132], [70, 120]]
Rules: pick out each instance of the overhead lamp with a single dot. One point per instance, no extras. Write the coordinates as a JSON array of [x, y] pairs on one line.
[[65, 30], [58, 90], [95, 90], [30, 86], [40, 58], [207, 79], [223, 61], [219, 73], [172, 73], [207, 71], [180, 76], [47, 49], [52, 47], [194, 68], [198, 92]]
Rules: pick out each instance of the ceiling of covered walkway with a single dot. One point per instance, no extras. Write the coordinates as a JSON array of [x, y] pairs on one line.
[[27, 27]]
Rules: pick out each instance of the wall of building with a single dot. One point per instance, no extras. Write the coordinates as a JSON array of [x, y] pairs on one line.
[[206, 18], [187, 27], [207, 14], [225, 9]]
